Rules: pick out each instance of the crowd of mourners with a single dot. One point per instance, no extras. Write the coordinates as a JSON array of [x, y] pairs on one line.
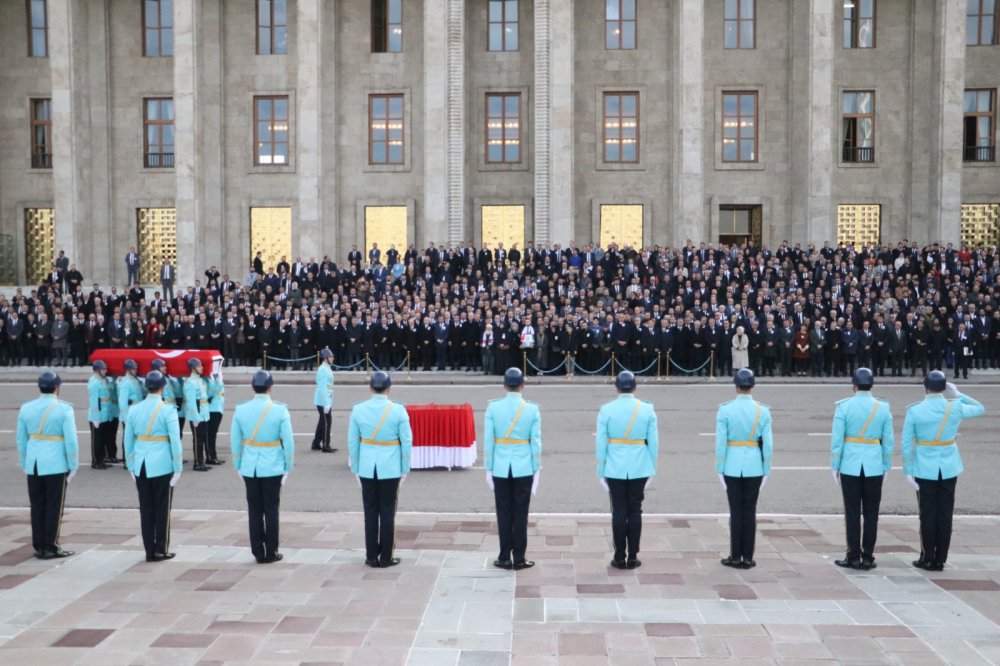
[[700, 309]]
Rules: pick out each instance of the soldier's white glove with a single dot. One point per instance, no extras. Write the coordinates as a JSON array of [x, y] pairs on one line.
[[913, 482], [763, 482], [836, 476], [284, 477], [174, 479], [604, 484], [534, 484], [489, 479], [722, 480], [648, 481], [358, 477], [952, 392], [69, 477], [326, 410], [132, 475], [95, 424], [402, 479]]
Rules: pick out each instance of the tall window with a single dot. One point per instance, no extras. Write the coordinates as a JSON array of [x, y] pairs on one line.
[[980, 22], [621, 127], [38, 29], [503, 128], [859, 126], [739, 127], [739, 24], [619, 24], [387, 26], [272, 27], [502, 25], [271, 130], [859, 24], [158, 121], [41, 133], [385, 129], [980, 114], [158, 27]]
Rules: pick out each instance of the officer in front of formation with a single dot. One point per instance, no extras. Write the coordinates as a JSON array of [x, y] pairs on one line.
[[323, 399], [153, 457], [512, 456], [743, 449], [48, 452], [932, 463], [99, 394], [860, 455], [379, 443], [628, 444], [130, 391], [196, 412], [263, 454]]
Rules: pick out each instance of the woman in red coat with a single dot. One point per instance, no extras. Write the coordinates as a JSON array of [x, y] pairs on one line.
[[800, 351]]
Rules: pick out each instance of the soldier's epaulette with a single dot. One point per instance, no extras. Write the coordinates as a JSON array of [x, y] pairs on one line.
[[282, 404], [912, 404], [727, 402], [63, 402], [842, 401]]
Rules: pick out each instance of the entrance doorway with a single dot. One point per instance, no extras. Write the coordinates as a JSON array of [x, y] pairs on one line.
[[740, 224]]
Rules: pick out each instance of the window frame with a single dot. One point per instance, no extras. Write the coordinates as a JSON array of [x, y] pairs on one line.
[[739, 129], [256, 127], [270, 27], [992, 116], [159, 29], [856, 22], [383, 30], [844, 116], [979, 26], [503, 23], [620, 94], [503, 132], [388, 117], [739, 31], [621, 22], [46, 125], [31, 29], [159, 123]]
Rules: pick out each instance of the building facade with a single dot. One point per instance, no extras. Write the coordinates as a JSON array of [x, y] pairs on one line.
[[206, 131]]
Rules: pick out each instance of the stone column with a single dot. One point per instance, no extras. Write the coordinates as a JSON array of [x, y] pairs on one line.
[[823, 120], [228, 253], [308, 131], [435, 223], [689, 103], [456, 120], [559, 49], [187, 130]]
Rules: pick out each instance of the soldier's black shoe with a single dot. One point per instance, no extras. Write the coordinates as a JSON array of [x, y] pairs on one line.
[[619, 564], [315, 447], [277, 557], [161, 557], [372, 563], [634, 564], [98, 465], [734, 562], [848, 564], [748, 564], [935, 566], [868, 563], [391, 562], [523, 564], [327, 449], [216, 461], [200, 468], [112, 461], [922, 564], [503, 564]]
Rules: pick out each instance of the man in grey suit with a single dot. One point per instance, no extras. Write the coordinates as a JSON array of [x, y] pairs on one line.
[[132, 266], [60, 339], [167, 278]]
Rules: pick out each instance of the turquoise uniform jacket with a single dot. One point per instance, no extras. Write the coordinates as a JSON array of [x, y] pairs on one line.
[[195, 399], [862, 436], [98, 399], [512, 448], [739, 425], [153, 438], [46, 436], [130, 392], [627, 439], [115, 410], [172, 392], [378, 419], [929, 432], [261, 438], [323, 397], [216, 395]]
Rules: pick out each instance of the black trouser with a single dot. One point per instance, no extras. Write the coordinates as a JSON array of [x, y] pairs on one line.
[[961, 364], [850, 362], [626, 515], [155, 497], [379, 498], [742, 493], [111, 440], [46, 493], [199, 434], [937, 504], [98, 435], [862, 496], [817, 363], [214, 421], [322, 436], [513, 496], [263, 501]]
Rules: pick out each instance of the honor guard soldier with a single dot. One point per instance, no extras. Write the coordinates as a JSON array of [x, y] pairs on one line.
[[130, 392], [512, 456], [48, 452], [153, 457], [171, 390], [196, 411], [323, 399], [216, 406], [932, 463], [263, 454], [111, 441], [99, 392], [379, 442], [627, 447], [743, 447], [860, 456]]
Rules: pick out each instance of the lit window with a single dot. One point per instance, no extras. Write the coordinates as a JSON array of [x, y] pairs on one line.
[[271, 131], [621, 127], [619, 25], [739, 127], [385, 129], [503, 128], [387, 26]]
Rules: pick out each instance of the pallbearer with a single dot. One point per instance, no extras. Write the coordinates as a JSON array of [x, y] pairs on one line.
[[860, 454], [627, 447], [263, 454], [743, 447], [216, 407], [130, 392], [932, 463], [48, 452], [323, 399], [379, 442], [512, 455], [196, 411], [99, 395]]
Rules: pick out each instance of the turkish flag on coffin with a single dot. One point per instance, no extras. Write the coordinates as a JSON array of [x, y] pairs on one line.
[[176, 359]]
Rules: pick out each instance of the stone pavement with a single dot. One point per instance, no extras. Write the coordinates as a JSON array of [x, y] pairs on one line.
[[446, 604]]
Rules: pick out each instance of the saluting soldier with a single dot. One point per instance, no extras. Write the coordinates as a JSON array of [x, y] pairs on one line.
[[263, 453], [153, 457], [379, 442], [216, 406], [932, 463], [512, 456], [130, 392], [743, 448], [323, 399], [196, 411], [99, 396], [860, 455], [48, 452], [628, 444]]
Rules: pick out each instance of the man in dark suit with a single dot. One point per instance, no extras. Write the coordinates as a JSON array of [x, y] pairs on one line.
[[167, 277], [897, 344], [132, 266], [963, 348]]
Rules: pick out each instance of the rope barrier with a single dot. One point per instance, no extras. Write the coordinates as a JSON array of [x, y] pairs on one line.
[[346, 367], [683, 369], [291, 360], [546, 372], [592, 372], [638, 372], [396, 369]]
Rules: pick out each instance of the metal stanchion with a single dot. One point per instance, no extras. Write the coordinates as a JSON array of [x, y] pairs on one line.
[[408, 365], [524, 363], [666, 375], [657, 364], [711, 365], [368, 364], [569, 365], [265, 361], [612, 375]]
